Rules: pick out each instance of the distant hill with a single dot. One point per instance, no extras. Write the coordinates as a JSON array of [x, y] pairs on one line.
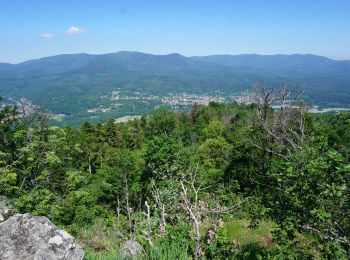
[[174, 62], [80, 63], [294, 63], [71, 83]]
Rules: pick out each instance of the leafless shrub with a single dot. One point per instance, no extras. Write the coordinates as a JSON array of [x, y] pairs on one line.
[[200, 212], [280, 116]]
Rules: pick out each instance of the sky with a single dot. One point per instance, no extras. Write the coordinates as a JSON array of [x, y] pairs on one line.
[[39, 28]]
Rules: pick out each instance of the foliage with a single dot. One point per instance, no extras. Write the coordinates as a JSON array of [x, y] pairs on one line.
[[199, 184]]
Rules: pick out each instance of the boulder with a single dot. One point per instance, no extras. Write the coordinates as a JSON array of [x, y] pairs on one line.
[[6, 210], [23, 236], [132, 248]]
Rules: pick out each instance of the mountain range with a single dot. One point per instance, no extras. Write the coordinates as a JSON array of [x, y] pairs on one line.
[[70, 83], [303, 63]]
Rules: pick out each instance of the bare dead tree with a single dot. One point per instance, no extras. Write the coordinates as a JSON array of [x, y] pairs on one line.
[[280, 114], [161, 207], [127, 205], [118, 210], [148, 232], [191, 206], [328, 234], [199, 211]]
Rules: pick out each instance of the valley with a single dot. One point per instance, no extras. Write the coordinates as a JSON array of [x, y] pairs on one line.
[[186, 130], [78, 87]]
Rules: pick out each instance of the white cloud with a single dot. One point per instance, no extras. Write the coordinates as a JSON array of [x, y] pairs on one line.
[[75, 30], [47, 36]]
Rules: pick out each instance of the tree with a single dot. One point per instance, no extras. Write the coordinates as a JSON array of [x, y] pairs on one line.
[[160, 122], [280, 131]]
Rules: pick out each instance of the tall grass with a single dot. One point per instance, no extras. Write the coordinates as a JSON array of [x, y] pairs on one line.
[[239, 232], [103, 243], [160, 252], [174, 251], [114, 254]]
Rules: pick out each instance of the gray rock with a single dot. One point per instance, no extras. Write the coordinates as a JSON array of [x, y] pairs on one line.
[[23, 236], [132, 248], [6, 210], [3, 202]]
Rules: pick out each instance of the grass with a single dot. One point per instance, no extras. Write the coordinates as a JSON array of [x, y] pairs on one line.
[[239, 232], [155, 253], [101, 242], [114, 254], [178, 252]]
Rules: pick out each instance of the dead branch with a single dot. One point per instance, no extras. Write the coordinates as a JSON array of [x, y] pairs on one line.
[[161, 206], [280, 114]]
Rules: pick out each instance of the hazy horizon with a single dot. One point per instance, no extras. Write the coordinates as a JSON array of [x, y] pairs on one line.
[[188, 56]]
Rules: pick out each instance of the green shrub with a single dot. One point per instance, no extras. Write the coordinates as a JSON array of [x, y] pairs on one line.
[[252, 251]]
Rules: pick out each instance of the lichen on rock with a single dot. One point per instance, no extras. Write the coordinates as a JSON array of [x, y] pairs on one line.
[[23, 236]]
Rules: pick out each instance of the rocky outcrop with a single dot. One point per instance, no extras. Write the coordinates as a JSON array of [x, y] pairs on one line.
[[132, 248], [5, 209], [23, 236]]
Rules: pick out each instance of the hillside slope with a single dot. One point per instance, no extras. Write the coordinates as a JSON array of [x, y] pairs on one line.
[[73, 83]]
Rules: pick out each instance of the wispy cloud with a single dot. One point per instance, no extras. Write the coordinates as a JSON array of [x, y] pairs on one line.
[[73, 30], [47, 36]]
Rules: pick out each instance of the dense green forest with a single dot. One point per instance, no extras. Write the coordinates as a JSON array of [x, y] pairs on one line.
[[223, 181]]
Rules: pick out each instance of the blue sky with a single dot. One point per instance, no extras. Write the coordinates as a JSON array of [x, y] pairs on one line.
[[37, 28]]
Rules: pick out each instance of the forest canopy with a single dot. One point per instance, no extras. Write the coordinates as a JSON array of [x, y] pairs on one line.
[[221, 181]]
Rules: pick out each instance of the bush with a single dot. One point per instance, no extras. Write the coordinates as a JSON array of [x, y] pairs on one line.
[[252, 251]]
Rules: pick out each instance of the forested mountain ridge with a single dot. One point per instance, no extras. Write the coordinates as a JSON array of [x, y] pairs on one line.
[[296, 62], [70, 62], [72, 84]]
